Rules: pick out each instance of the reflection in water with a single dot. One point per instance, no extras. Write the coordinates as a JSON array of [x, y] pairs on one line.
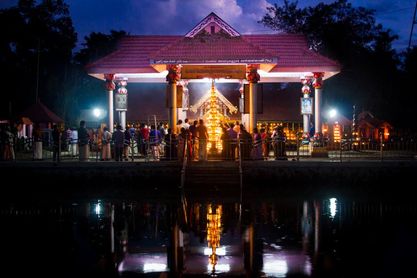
[[332, 207], [145, 263], [275, 267], [310, 238], [214, 228], [98, 209]]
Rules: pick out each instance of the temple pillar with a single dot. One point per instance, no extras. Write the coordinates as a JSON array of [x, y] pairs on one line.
[[253, 78], [306, 94], [245, 117], [121, 103], [318, 85], [110, 86], [172, 78], [182, 111]]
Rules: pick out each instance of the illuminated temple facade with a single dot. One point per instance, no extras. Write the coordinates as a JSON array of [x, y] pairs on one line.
[[213, 52]]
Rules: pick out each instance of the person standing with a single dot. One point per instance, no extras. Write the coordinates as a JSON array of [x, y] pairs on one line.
[[37, 142], [202, 140], [278, 139], [127, 145], [186, 125], [56, 137], [83, 140], [155, 139], [256, 151], [105, 141], [193, 132], [119, 140], [74, 142], [8, 141], [264, 138], [68, 133]]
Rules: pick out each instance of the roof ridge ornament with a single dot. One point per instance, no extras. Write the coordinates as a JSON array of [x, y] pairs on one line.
[[213, 18]]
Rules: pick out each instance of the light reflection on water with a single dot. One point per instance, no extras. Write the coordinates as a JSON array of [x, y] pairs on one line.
[[331, 237]]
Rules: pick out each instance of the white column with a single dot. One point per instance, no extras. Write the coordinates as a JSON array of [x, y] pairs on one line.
[[123, 119], [245, 116], [110, 86], [317, 110], [111, 116], [121, 102], [306, 125], [306, 94], [182, 111], [317, 84], [253, 105]]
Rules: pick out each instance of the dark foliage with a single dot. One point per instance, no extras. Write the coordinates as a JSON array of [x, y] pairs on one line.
[[371, 75]]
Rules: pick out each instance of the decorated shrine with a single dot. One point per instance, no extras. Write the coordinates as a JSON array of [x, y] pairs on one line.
[[215, 51]]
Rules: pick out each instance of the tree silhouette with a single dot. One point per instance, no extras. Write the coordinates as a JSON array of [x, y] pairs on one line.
[[37, 52], [351, 36]]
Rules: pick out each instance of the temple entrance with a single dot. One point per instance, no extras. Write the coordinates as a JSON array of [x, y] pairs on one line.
[[215, 50], [214, 108]]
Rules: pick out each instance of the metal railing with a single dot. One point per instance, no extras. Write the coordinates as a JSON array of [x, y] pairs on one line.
[[233, 149]]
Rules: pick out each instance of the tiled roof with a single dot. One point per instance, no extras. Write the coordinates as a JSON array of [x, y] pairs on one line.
[[135, 54], [292, 51], [132, 55], [212, 48]]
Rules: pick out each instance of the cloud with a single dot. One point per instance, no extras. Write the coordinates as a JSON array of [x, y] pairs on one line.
[[180, 16]]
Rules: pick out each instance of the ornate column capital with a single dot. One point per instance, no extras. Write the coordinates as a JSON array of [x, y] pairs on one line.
[[318, 80], [122, 87], [109, 85], [306, 81], [252, 74], [174, 74]]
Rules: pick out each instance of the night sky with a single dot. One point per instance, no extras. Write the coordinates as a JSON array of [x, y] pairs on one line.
[[180, 16]]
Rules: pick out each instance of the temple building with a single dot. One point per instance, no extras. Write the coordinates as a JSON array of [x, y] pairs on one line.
[[214, 53]]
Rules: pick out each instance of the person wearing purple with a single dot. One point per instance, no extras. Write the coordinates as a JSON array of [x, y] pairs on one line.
[[155, 139]]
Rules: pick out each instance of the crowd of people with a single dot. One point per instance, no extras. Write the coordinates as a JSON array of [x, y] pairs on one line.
[[155, 141]]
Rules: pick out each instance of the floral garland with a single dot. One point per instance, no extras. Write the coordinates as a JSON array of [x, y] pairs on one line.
[[109, 85], [252, 74], [122, 90], [306, 86], [318, 80], [174, 74]]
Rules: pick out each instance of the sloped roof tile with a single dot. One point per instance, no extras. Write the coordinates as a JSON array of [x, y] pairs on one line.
[[135, 54]]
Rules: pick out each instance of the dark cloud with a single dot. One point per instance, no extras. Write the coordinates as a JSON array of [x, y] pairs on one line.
[[180, 16]]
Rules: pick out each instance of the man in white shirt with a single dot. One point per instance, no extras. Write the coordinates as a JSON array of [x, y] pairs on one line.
[[186, 125]]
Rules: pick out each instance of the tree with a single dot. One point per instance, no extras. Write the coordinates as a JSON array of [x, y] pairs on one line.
[[96, 46], [407, 96], [351, 36], [38, 51]]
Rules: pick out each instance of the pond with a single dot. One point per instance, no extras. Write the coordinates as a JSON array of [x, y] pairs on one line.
[[288, 237]]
